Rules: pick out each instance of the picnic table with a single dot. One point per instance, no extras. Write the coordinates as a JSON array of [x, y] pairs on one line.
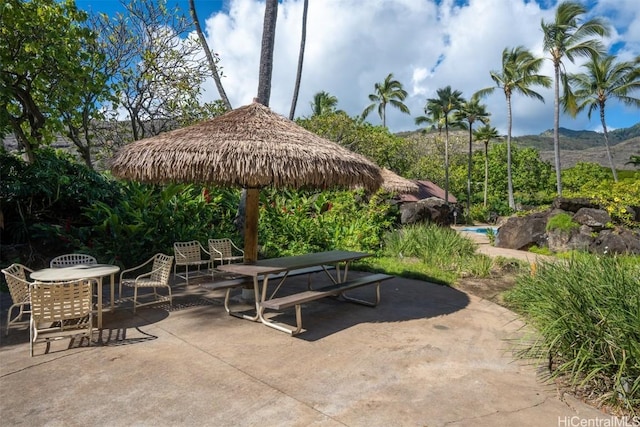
[[283, 267]]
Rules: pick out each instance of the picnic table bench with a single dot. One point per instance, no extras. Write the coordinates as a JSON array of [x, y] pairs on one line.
[[333, 290]]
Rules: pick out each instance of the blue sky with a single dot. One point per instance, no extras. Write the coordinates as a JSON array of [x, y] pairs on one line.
[[426, 44]]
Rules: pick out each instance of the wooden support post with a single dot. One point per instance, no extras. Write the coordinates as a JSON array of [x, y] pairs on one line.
[[251, 226]]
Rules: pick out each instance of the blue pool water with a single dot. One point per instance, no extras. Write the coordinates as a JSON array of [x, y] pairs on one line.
[[482, 230]]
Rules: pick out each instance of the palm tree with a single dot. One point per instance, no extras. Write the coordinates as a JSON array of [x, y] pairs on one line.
[[388, 92], [603, 80], [566, 36], [209, 55], [485, 134], [433, 119], [470, 112], [303, 38], [519, 73], [447, 102], [323, 103]]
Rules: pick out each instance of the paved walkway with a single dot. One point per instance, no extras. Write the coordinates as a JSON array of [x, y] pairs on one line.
[[486, 248], [428, 355]]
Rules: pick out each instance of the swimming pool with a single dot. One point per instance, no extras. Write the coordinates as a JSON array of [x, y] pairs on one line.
[[481, 230]]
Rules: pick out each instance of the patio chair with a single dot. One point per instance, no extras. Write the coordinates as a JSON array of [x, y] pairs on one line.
[[16, 277], [190, 254], [224, 251], [60, 310], [158, 277], [69, 260]]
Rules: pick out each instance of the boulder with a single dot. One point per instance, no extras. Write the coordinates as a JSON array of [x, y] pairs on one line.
[[572, 205], [619, 241], [579, 239], [597, 219], [523, 232], [432, 209]]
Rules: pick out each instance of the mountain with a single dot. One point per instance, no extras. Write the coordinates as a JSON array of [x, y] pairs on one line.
[[575, 145], [577, 139], [586, 146]]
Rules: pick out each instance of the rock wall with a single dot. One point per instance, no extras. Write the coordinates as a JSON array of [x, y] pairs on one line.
[[594, 231]]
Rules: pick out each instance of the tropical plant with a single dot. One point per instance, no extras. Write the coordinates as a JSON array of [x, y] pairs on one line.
[[448, 101], [519, 73], [587, 314], [604, 80], [568, 36], [471, 111], [323, 103], [485, 134], [634, 160], [390, 91], [303, 38]]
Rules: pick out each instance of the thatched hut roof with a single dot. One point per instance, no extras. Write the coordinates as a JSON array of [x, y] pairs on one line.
[[249, 147], [394, 183]]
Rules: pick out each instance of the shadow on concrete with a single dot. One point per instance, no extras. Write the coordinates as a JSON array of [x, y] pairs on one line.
[[401, 300]]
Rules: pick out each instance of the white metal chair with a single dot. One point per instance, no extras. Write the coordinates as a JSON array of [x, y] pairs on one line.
[[158, 277], [16, 277], [61, 309], [69, 260], [224, 251], [190, 254]]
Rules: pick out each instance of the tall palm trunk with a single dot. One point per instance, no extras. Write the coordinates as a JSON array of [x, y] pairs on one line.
[[446, 160], [264, 93], [486, 172], [303, 39], [469, 170], [266, 52], [207, 52], [512, 203], [606, 144], [556, 127]]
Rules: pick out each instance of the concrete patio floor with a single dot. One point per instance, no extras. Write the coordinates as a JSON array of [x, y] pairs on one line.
[[428, 355]]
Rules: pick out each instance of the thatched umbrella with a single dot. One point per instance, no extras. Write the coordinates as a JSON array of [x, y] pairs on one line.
[[249, 147], [394, 183]]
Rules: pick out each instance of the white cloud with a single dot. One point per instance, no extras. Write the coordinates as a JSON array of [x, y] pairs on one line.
[[352, 44]]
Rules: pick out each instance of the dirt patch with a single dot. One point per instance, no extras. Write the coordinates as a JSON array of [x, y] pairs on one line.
[[491, 289]]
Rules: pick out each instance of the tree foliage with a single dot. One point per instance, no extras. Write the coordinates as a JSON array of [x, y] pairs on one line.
[[158, 75], [519, 74], [373, 142], [48, 65]]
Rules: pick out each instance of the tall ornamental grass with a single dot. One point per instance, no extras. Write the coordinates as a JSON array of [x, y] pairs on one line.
[[430, 243], [433, 253], [587, 312]]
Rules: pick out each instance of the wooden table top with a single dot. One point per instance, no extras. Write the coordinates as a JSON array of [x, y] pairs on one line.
[[277, 265]]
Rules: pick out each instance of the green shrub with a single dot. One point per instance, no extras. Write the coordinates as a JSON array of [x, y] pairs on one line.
[[149, 219], [587, 312], [294, 222], [562, 222], [439, 247]]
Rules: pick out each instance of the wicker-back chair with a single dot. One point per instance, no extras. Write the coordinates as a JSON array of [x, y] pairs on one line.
[[61, 309], [16, 277], [158, 277], [224, 251], [190, 254], [69, 260]]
